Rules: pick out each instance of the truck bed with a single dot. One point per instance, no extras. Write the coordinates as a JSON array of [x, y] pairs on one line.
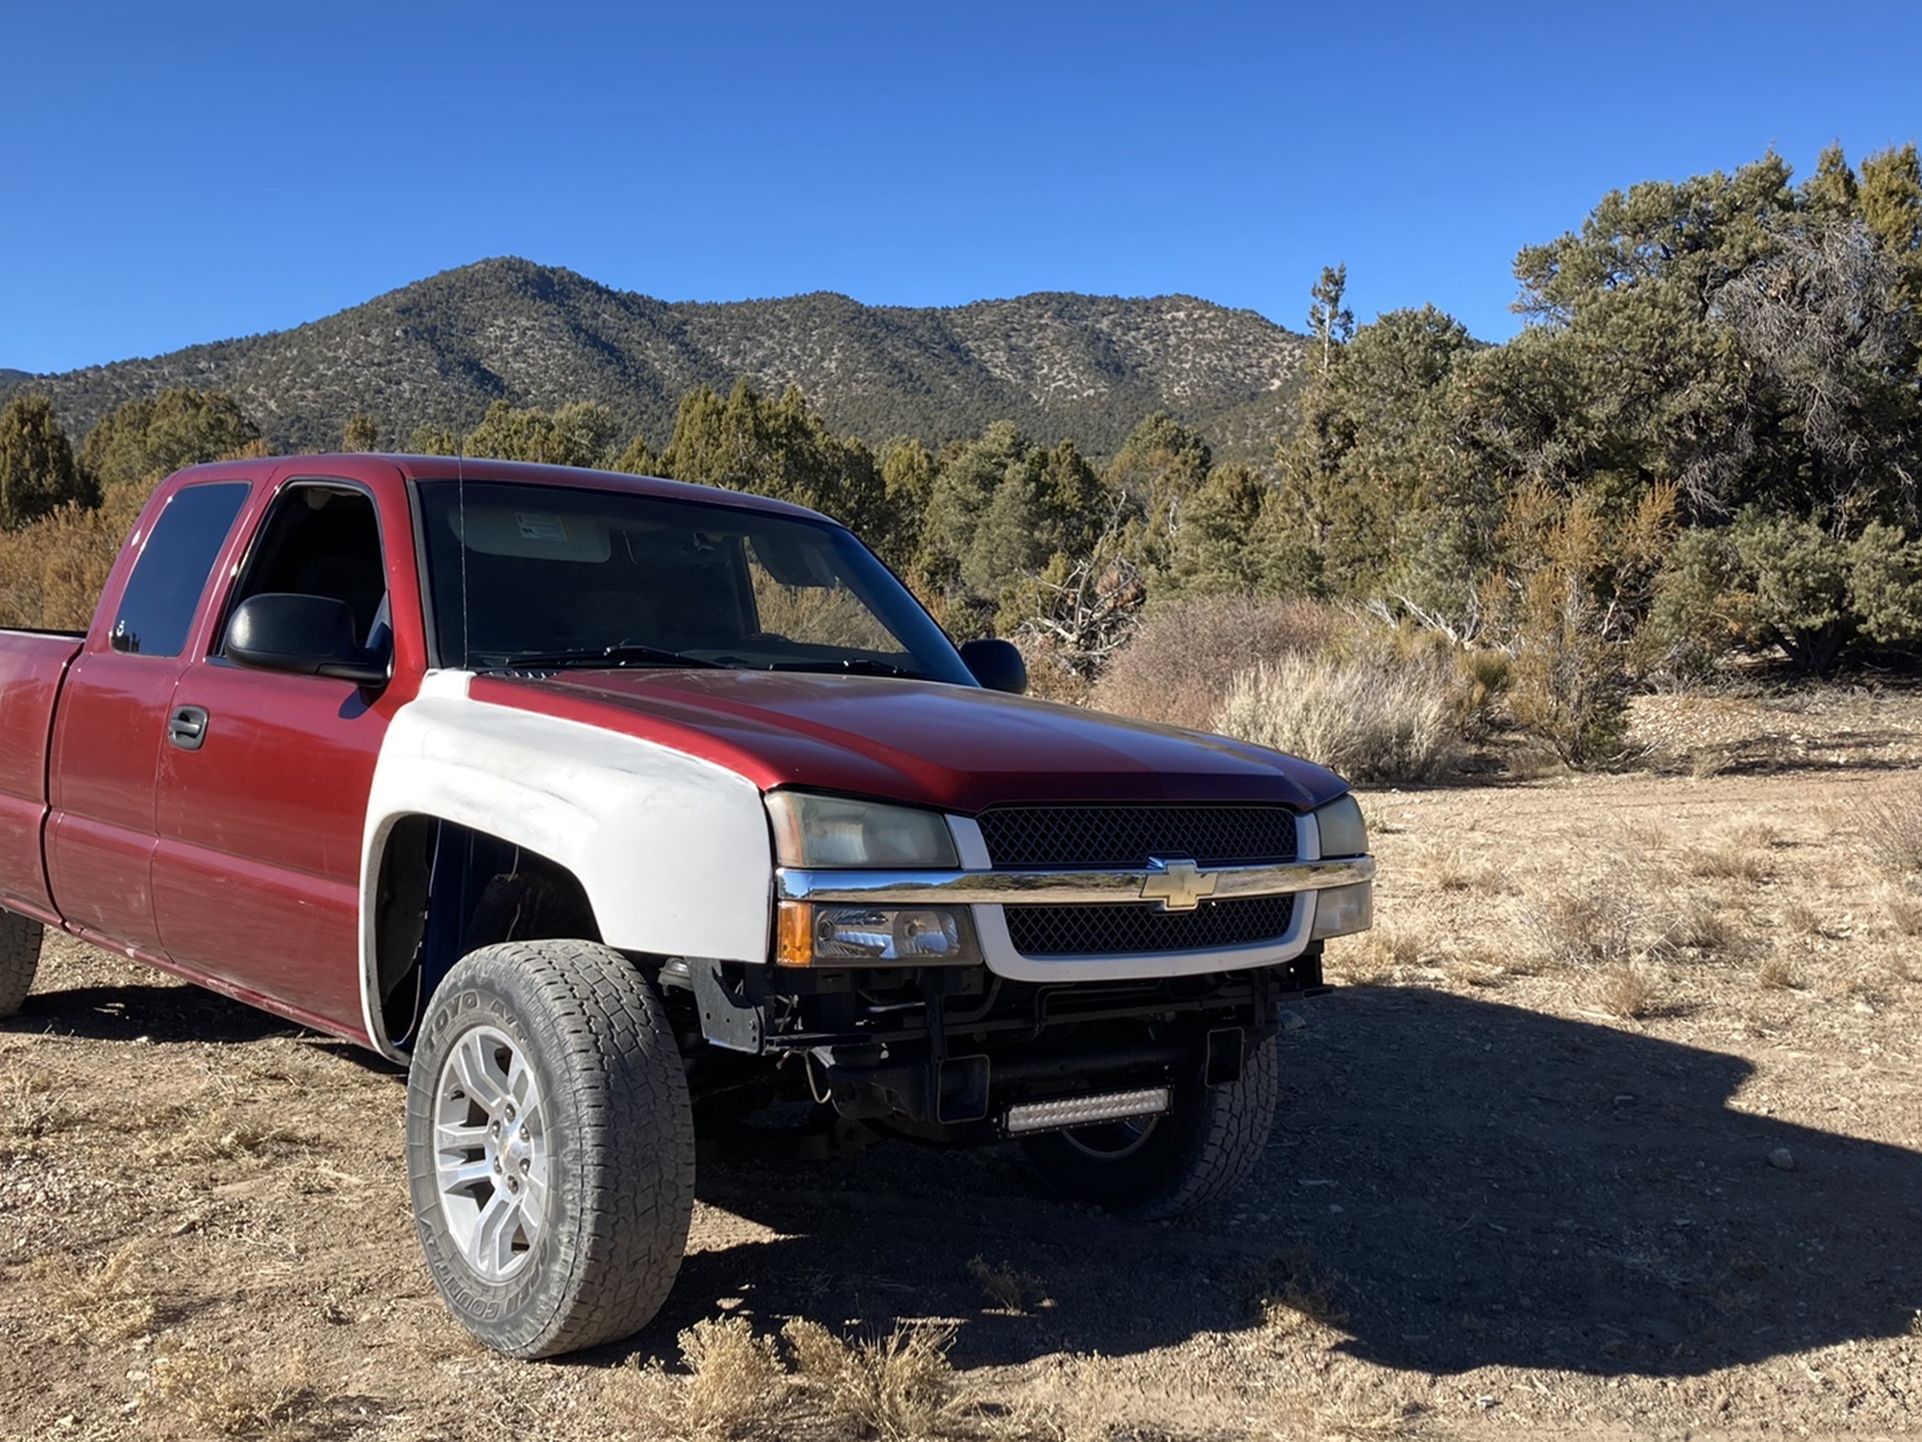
[[33, 665]]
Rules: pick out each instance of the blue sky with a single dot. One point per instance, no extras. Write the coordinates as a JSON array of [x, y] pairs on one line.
[[188, 172]]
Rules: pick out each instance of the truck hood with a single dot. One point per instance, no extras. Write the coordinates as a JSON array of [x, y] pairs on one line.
[[922, 743]]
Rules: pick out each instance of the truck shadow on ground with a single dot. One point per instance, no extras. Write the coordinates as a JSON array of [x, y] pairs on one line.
[[1460, 1183]]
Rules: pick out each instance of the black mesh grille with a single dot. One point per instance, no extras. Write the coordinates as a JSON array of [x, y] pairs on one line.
[[1132, 927], [1127, 836]]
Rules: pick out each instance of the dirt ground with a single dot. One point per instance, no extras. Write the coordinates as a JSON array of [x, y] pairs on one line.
[[1616, 1130]]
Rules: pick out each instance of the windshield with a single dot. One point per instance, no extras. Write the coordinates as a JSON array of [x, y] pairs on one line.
[[558, 577]]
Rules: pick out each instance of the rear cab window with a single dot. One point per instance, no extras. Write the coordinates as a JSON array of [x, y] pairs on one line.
[[157, 608]]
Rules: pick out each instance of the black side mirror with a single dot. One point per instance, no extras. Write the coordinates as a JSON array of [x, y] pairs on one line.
[[997, 665], [302, 635]]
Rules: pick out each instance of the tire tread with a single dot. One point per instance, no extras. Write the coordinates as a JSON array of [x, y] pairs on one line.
[[20, 942]]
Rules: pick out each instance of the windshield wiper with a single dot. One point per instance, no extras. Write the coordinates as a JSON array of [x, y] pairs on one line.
[[850, 665], [624, 654]]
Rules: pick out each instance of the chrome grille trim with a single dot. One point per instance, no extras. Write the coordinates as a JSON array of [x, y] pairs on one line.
[[1068, 888]]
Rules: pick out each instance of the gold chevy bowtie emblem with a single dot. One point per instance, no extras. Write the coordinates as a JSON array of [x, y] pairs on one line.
[[1177, 885]]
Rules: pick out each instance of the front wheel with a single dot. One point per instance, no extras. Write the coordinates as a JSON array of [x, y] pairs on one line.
[[550, 1146], [1205, 1146], [20, 941]]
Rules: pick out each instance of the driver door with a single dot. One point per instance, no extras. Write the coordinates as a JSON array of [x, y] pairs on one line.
[[256, 879]]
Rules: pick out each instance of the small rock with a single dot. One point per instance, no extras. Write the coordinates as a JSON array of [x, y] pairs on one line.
[[1293, 1021], [1485, 1401], [1782, 1159]]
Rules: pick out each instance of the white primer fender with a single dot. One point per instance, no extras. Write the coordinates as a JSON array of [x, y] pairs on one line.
[[672, 851]]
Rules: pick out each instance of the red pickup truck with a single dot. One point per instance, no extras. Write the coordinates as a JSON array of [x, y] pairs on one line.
[[613, 807]]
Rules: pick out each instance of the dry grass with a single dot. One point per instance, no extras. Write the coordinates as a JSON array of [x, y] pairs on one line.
[[1373, 717], [110, 1301], [1892, 830], [899, 1387], [216, 1395], [1628, 991], [1178, 667]]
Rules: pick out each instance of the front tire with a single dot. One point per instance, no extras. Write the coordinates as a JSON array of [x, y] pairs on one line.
[[550, 1146], [1204, 1147], [20, 940]]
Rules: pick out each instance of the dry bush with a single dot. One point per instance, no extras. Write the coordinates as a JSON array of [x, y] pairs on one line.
[[30, 1108], [1377, 957], [1702, 925], [1456, 868], [222, 1396], [1729, 860], [1777, 972], [1905, 914], [1291, 1291], [1003, 1285], [111, 1301], [736, 1382], [1050, 678], [1892, 830], [1372, 718], [52, 572], [1804, 920], [1627, 991], [1179, 666], [1599, 920], [898, 1388]]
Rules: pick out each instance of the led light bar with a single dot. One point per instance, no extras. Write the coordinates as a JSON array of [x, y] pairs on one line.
[[1085, 1111]]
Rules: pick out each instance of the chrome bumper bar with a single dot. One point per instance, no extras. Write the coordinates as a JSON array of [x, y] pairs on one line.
[[1060, 888]]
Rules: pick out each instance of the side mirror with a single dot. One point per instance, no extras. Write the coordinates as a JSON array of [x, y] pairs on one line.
[[304, 636], [997, 665]]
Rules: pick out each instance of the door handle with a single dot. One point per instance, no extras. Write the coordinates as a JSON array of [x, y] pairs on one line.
[[187, 727]]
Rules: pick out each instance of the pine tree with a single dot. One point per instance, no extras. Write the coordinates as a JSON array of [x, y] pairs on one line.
[[360, 433], [1831, 191], [429, 439], [1329, 321], [37, 468], [150, 437]]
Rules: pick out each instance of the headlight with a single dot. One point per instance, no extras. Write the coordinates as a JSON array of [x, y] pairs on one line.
[[833, 833], [1343, 832], [1343, 910], [819, 934]]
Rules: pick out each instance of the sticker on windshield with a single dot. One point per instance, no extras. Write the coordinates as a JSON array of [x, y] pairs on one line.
[[541, 528]]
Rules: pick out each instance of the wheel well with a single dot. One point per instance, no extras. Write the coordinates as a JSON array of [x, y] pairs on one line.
[[445, 890]]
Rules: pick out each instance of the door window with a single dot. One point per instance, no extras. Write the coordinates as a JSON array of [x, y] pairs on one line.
[[321, 540], [157, 607]]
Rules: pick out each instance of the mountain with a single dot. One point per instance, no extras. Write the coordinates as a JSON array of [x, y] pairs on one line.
[[9, 377], [440, 350]]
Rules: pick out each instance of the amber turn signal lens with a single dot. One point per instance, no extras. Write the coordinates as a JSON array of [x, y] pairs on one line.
[[794, 934]]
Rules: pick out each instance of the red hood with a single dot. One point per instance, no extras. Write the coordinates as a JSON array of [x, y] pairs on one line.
[[923, 743]]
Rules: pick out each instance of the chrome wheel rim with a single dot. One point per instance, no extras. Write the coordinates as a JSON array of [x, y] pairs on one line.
[[490, 1152], [1111, 1141]]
